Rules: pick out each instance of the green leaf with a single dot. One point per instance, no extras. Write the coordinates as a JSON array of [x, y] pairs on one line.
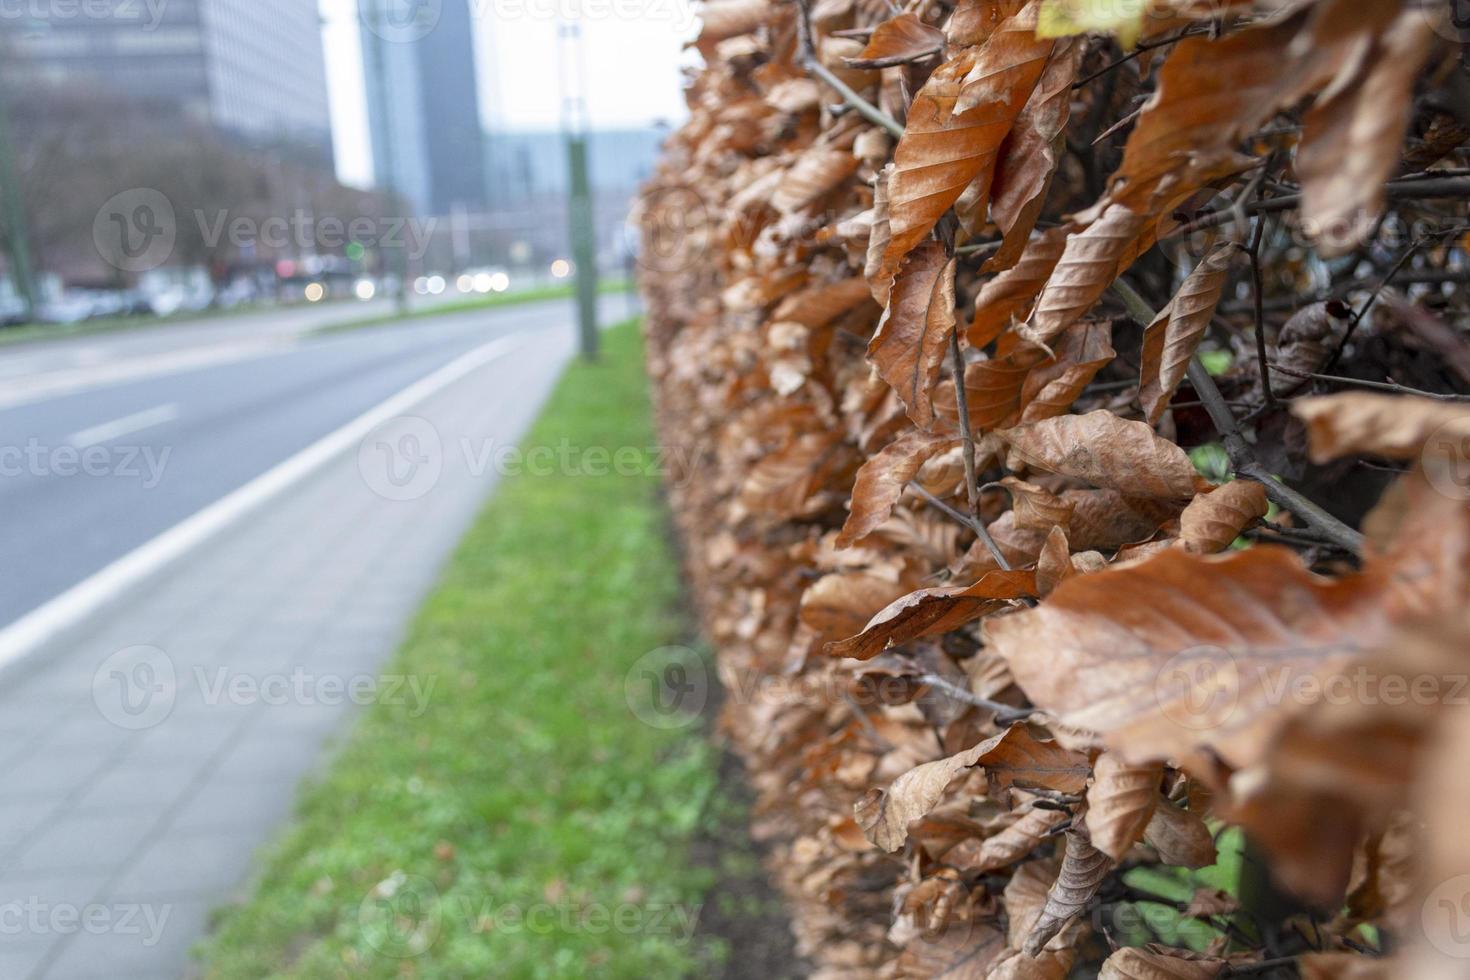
[[1063, 18]]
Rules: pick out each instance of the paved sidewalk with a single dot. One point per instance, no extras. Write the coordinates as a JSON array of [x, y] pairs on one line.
[[144, 758]]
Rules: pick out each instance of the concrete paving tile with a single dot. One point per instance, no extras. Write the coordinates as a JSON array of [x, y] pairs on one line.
[[93, 842], [132, 938], [21, 960], [228, 804], [203, 865], [50, 774], [18, 820], [130, 785]]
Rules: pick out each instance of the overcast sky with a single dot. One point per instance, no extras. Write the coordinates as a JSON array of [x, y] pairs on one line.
[[634, 52]]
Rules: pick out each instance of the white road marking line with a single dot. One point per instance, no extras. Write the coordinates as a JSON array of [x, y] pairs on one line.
[[28, 633], [136, 422]]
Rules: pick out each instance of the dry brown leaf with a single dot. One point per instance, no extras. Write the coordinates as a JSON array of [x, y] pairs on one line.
[[1084, 869], [1120, 803], [879, 235], [1009, 845], [836, 605], [1016, 758], [1352, 966], [1352, 138], [898, 41], [1180, 836], [721, 19], [1180, 652], [913, 337], [1169, 342], [816, 173], [958, 953], [1035, 507], [1160, 963], [1304, 345], [936, 610], [1054, 564], [1010, 295], [1013, 757], [992, 391], [1090, 261], [1049, 964], [1213, 520], [783, 482], [1391, 426], [1082, 351], [1107, 452], [882, 479], [1028, 160], [945, 146]]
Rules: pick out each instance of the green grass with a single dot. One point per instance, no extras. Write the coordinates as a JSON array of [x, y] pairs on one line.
[[431, 842], [536, 294]]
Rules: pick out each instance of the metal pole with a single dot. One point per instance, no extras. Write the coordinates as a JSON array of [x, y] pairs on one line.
[[17, 235], [386, 179], [579, 198]]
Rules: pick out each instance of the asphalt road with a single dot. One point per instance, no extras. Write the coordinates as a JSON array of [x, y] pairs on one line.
[[101, 453]]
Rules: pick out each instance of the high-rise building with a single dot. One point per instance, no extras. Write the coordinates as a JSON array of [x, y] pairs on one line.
[[252, 68], [423, 102]]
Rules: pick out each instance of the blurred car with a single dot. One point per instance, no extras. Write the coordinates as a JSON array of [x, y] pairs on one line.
[[12, 311]]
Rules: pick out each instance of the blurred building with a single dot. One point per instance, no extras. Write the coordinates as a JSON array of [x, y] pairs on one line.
[[423, 104], [525, 227], [251, 68]]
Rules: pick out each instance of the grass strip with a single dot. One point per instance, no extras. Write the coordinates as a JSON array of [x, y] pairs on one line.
[[526, 823]]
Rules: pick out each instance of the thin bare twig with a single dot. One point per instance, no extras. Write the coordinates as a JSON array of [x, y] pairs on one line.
[[809, 61], [1258, 297], [1392, 386], [1446, 188], [967, 435], [1004, 713], [1242, 458], [973, 523], [1140, 49]]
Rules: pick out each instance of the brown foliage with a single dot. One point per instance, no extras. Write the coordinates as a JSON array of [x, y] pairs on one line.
[[947, 391]]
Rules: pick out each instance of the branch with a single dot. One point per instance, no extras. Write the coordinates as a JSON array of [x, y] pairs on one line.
[[1448, 187], [962, 403], [1236, 447], [1004, 713], [809, 61], [973, 523], [1392, 386]]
